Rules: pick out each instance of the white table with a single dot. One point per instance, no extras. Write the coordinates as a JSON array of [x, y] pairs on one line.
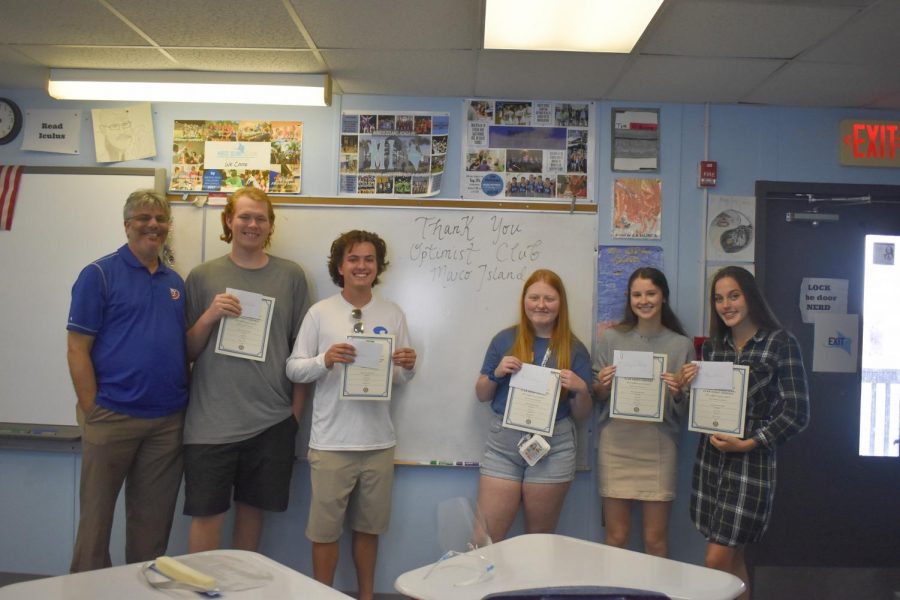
[[549, 560], [127, 582]]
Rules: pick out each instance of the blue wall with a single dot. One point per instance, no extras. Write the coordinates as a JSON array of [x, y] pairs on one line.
[[39, 490]]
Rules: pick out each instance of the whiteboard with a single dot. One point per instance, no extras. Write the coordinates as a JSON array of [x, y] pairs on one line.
[[64, 219], [458, 275]]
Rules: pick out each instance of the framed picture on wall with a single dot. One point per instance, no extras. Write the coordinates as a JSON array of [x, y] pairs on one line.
[[635, 139]]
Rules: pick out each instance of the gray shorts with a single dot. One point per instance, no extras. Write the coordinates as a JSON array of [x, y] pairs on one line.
[[502, 458]]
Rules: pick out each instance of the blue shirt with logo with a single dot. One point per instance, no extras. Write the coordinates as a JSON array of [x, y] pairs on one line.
[[137, 321]]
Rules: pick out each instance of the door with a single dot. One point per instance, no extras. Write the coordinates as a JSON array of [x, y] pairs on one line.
[[833, 508]]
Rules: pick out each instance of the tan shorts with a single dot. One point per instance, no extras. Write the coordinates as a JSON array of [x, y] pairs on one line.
[[358, 483]]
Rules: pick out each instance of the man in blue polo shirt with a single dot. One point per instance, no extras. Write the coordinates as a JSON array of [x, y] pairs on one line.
[[127, 358]]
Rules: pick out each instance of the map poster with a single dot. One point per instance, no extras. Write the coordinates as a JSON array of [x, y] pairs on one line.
[[637, 208], [392, 154], [521, 149], [615, 264], [222, 156]]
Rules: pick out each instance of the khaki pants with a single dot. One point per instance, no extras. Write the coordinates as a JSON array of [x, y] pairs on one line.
[[145, 454]]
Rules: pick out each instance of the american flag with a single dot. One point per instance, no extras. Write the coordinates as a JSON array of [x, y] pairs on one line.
[[9, 188]]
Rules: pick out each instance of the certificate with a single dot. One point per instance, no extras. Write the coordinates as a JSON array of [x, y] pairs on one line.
[[640, 399], [721, 411], [246, 337], [534, 412], [372, 381]]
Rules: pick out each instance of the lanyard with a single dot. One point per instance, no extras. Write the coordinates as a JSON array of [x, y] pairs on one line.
[[546, 356]]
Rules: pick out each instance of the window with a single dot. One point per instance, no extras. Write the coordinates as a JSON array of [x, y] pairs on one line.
[[879, 406]]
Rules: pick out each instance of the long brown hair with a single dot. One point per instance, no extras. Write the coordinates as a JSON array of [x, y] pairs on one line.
[[560, 340], [658, 279], [758, 310]]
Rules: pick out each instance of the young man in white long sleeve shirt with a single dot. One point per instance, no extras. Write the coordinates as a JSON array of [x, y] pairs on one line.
[[351, 453]]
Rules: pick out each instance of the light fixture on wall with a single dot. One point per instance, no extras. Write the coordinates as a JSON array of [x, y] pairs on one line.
[[292, 89], [567, 25]]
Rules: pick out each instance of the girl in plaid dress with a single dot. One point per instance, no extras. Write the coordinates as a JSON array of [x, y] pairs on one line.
[[734, 479]]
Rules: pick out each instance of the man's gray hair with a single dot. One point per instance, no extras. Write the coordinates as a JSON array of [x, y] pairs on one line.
[[139, 198]]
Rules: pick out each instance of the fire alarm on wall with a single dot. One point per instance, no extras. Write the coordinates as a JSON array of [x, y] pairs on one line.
[[709, 171]]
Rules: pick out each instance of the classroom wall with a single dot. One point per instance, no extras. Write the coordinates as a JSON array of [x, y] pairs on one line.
[[39, 491]]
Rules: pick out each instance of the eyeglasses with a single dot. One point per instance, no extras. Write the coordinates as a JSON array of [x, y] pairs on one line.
[[144, 219], [118, 126], [247, 219], [356, 314]]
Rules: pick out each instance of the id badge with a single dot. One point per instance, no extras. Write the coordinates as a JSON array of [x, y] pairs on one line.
[[533, 448]]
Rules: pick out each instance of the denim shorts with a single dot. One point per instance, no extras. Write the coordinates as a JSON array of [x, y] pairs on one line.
[[502, 458]]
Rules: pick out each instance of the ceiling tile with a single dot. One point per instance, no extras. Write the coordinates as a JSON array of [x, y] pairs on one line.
[[400, 73], [889, 101], [832, 85], [223, 23], [242, 60], [399, 24], [77, 57], [62, 22], [856, 3], [741, 30], [869, 39], [718, 80], [549, 75]]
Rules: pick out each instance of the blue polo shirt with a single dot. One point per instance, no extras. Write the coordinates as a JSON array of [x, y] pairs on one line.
[[137, 320]]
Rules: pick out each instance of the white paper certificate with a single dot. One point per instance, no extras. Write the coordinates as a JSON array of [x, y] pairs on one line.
[[534, 412], [721, 411], [245, 337], [640, 399], [370, 383]]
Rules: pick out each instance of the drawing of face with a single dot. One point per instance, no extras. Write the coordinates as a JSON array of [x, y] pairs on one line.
[[118, 132]]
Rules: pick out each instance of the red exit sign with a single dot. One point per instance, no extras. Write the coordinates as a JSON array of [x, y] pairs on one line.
[[870, 143]]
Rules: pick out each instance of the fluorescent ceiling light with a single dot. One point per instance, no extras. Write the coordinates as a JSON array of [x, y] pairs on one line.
[[191, 86], [566, 25]]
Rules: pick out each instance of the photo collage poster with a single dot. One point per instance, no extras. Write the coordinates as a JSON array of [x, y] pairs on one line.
[[222, 156], [516, 149], [392, 154]]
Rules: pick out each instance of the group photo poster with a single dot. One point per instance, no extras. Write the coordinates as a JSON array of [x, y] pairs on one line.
[[392, 153], [522, 149], [222, 156]]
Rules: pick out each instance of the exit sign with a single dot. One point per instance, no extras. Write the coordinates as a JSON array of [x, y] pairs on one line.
[[870, 143]]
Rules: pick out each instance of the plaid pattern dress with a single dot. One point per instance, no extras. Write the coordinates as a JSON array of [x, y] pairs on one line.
[[732, 492]]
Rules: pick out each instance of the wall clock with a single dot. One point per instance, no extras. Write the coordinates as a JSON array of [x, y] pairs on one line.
[[10, 120]]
